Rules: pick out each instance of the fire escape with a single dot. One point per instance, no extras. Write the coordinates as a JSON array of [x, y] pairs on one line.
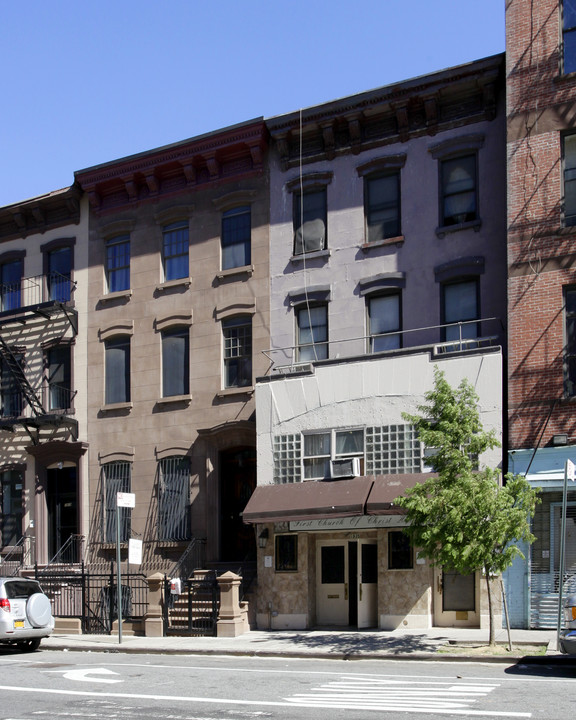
[[29, 310]]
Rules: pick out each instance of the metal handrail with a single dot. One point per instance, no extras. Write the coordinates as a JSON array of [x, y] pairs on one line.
[[193, 558], [23, 549]]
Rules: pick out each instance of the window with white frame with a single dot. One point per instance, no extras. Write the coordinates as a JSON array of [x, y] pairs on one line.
[[384, 322], [173, 498], [320, 449], [569, 36], [311, 332], [236, 232], [237, 337], [175, 251], [116, 477]]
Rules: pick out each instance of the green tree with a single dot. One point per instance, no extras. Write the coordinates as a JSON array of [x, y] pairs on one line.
[[464, 518]]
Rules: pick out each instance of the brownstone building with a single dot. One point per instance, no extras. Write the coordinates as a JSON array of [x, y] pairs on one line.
[[541, 141], [178, 293]]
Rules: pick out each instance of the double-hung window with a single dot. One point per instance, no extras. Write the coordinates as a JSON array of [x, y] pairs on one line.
[[460, 306], [459, 191], [117, 370], [321, 448], [118, 263], [175, 251], [176, 361], [11, 488], [59, 274], [236, 234], [116, 477], [10, 391], [384, 322], [58, 368], [311, 333], [570, 341], [237, 336], [569, 35], [382, 206], [310, 221], [569, 179], [173, 498]]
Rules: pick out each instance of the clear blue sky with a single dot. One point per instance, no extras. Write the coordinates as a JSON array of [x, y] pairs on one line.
[[84, 83]]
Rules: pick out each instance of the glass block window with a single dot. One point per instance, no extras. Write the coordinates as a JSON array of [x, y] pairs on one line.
[[392, 449], [287, 458]]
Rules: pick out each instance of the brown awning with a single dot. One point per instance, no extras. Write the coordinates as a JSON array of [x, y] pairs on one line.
[[308, 500], [386, 488]]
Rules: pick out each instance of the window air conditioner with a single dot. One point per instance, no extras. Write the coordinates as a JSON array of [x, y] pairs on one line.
[[293, 369], [345, 468]]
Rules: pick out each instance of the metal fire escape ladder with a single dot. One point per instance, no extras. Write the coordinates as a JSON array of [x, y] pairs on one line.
[[24, 386]]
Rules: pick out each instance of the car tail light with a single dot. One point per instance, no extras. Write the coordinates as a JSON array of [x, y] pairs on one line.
[[5, 604]]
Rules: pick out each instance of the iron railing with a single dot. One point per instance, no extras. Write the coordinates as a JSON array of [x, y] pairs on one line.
[[19, 556], [35, 290], [193, 558]]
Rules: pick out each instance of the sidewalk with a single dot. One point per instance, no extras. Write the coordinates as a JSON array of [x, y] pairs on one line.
[[433, 643]]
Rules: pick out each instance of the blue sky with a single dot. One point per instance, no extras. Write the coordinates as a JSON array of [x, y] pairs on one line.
[[84, 83]]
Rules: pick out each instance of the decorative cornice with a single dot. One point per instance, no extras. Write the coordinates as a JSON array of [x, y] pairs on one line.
[[40, 214]]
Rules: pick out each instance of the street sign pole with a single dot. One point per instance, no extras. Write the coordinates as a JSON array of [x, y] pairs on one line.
[[569, 472], [127, 500]]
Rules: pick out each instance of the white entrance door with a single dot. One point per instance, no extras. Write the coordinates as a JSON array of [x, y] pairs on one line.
[[347, 575], [456, 599]]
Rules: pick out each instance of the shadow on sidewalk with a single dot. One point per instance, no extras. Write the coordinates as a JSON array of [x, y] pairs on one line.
[[358, 643]]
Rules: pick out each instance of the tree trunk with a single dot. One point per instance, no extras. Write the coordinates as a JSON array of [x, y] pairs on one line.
[[492, 636]]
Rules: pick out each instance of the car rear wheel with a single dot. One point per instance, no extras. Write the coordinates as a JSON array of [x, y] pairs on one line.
[[28, 645]]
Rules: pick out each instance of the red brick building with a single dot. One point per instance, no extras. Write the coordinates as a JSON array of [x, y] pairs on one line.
[[541, 148]]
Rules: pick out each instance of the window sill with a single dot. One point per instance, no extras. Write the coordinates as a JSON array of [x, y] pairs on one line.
[[448, 229], [170, 284], [172, 544], [318, 254], [119, 295], [398, 241], [565, 77], [237, 272], [112, 545], [172, 399], [116, 406], [231, 392]]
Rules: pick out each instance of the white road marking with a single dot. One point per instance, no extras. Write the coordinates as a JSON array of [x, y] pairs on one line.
[[81, 674], [380, 707]]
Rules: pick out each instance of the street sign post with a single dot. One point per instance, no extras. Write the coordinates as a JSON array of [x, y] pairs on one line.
[[569, 474], [127, 500]]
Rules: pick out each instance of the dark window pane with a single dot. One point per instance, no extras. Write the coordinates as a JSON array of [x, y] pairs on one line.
[[175, 251], [12, 398], [332, 564], [175, 362], [383, 207], [384, 318], [286, 553], [11, 489], [117, 370], [59, 274], [118, 264], [58, 371], [399, 551], [569, 13], [11, 279], [461, 305], [236, 229], [458, 591], [173, 498], [459, 190], [312, 333], [369, 560]]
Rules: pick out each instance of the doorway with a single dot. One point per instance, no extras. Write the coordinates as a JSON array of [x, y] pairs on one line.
[[62, 506], [237, 483], [456, 599], [347, 583]]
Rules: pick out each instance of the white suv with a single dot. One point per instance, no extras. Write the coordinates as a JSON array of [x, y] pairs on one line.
[[25, 613]]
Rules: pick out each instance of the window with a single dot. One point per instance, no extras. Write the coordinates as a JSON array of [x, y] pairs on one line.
[[570, 341], [11, 284], [460, 305], [116, 477], [59, 274], [118, 263], [459, 201], [312, 333], [236, 229], [117, 370], [58, 370], [569, 35], [175, 362], [392, 449], [175, 251], [173, 498], [384, 322], [321, 448], [382, 206], [11, 486], [237, 352], [310, 221], [569, 180], [400, 556], [286, 551], [11, 394]]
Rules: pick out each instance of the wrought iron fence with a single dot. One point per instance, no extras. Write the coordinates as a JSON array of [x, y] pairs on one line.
[[195, 610]]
